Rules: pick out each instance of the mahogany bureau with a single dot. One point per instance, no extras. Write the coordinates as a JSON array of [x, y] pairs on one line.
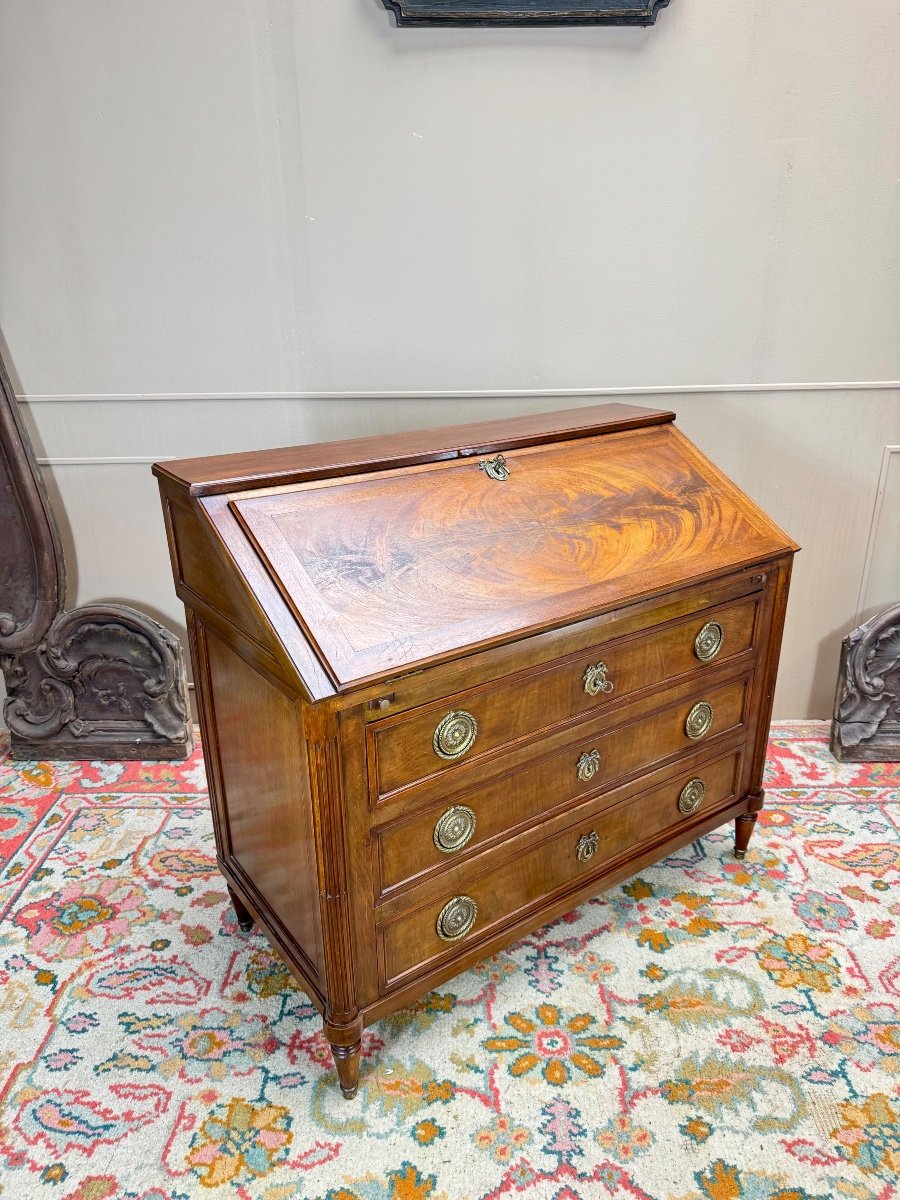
[[451, 683]]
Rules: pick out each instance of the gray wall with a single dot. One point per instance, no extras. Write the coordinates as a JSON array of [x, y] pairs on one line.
[[229, 225]]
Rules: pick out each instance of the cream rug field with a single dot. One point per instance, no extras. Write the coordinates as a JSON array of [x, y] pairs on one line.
[[709, 1030]]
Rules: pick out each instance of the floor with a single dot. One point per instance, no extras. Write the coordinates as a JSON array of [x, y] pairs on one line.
[[709, 1030]]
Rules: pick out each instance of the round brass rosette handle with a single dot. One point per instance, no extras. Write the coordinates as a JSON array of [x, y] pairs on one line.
[[456, 918], [454, 829], [455, 735], [587, 846], [699, 721], [692, 795], [708, 641]]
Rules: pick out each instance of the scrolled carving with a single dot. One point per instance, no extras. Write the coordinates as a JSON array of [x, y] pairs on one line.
[[104, 681], [866, 724]]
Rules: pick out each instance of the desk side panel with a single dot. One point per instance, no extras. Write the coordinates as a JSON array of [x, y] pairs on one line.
[[260, 794]]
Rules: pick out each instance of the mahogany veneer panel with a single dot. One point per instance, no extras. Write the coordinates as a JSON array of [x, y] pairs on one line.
[[441, 705], [435, 559]]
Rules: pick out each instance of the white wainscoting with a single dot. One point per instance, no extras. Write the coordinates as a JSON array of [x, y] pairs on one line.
[[824, 460]]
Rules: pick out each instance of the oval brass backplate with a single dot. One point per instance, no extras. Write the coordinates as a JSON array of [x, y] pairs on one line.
[[454, 829], [587, 846], [699, 721], [455, 735], [708, 641], [595, 680], [456, 918], [588, 765], [692, 795]]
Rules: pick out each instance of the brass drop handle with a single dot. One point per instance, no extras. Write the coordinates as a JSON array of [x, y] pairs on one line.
[[456, 918], [588, 765], [708, 641], [699, 721], [692, 795], [587, 846], [454, 828], [455, 735], [595, 680]]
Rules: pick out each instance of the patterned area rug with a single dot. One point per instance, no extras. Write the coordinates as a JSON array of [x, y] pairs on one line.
[[710, 1030]]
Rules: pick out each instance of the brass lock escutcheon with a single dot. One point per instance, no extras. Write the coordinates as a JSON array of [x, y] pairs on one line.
[[456, 918], [587, 846], [595, 680], [692, 795], [495, 468], [699, 721], [708, 641], [588, 765], [454, 829], [455, 735]]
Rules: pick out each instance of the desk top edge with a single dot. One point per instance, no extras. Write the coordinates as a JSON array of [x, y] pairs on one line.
[[217, 474]]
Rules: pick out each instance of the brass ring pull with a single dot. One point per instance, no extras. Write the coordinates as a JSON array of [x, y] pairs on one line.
[[454, 829], [588, 765], [455, 735], [587, 846], [692, 795], [456, 918], [595, 680], [708, 641], [699, 721]]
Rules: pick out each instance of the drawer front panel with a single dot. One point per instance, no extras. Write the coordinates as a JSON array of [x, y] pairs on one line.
[[483, 899], [435, 739], [434, 838]]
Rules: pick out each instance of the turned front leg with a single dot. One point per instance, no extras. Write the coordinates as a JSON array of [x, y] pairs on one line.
[[242, 912], [744, 826], [346, 1059]]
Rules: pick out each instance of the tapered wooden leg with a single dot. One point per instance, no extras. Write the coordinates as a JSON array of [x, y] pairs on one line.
[[242, 912], [743, 828], [346, 1059]]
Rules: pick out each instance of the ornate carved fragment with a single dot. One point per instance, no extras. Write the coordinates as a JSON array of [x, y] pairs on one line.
[[103, 681], [866, 723]]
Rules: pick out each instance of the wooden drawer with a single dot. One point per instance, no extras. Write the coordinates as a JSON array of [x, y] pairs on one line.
[[600, 758], [411, 747], [501, 889]]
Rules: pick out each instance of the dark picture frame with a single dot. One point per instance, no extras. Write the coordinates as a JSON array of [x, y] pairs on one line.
[[525, 12]]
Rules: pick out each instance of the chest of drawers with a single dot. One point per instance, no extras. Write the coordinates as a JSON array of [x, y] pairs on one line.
[[452, 683]]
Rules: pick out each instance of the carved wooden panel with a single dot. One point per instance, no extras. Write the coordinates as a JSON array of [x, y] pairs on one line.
[[105, 681], [866, 725]]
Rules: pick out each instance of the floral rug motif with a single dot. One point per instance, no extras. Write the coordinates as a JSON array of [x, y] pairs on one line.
[[708, 1030]]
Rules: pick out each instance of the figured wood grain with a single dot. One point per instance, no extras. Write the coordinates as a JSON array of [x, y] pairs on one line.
[[392, 571]]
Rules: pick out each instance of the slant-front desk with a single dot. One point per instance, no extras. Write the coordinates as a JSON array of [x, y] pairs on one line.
[[453, 682]]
